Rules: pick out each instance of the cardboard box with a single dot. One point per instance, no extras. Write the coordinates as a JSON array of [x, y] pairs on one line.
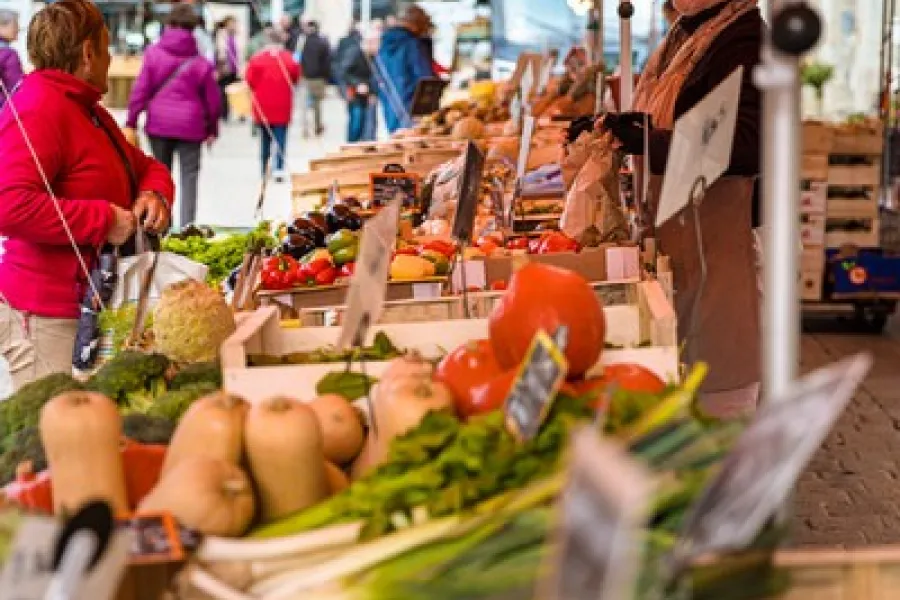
[[590, 264], [814, 199], [812, 230]]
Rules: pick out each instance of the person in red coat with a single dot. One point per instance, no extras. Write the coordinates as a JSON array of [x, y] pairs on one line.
[[69, 184], [272, 75]]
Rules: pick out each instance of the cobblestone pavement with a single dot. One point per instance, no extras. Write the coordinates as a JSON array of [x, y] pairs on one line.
[[850, 495]]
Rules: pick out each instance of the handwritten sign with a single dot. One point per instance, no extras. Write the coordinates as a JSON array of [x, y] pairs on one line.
[[427, 96], [762, 469], [368, 286], [469, 193], [385, 186], [542, 374], [603, 508], [701, 147]]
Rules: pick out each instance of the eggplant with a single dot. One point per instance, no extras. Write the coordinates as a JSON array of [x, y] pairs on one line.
[[340, 217], [231, 282], [297, 245], [308, 228], [351, 202], [318, 218]]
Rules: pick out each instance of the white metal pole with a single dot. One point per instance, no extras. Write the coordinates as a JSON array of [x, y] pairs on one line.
[[626, 82], [795, 29], [277, 8]]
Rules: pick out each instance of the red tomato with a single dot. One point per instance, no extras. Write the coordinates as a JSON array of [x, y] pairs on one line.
[[519, 243], [557, 242], [489, 396], [469, 366], [408, 250], [326, 276], [632, 378], [445, 248], [317, 266], [499, 286], [543, 297]]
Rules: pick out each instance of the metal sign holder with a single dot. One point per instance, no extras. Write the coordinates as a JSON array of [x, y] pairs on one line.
[[795, 30], [626, 81]]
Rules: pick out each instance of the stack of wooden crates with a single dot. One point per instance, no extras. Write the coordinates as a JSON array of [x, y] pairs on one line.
[[839, 202]]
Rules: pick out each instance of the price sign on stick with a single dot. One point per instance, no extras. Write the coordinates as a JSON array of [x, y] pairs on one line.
[[515, 110], [601, 87], [527, 85], [469, 193], [365, 298], [525, 147], [603, 509], [540, 377], [427, 96], [762, 469], [546, 71], [701, 147]]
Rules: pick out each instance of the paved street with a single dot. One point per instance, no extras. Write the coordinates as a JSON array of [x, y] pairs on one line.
[[850, 495]]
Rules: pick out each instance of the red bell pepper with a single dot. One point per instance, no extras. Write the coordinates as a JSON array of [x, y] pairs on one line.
[[32, 491], [445, 248], [347, 269], [326, 276], [557, 242]]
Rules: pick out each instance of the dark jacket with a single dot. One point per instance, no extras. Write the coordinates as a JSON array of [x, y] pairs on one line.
[[738, 45], [186, 107], [405, 59], [342, 55], [316, 57], [10, 69], [357, 70]]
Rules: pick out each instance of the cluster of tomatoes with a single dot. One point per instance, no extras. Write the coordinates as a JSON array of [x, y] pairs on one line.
[[539, 298], [549, 242], [283, 272]]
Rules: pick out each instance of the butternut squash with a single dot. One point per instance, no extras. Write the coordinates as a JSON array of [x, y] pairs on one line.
[[337, 479], [285, 454], [342, 429], [80, 432], [213, 426], [212, 495], [399, 404]]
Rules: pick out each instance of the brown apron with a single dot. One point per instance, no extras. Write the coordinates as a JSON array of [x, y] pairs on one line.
[[726, 333], [725, 329]]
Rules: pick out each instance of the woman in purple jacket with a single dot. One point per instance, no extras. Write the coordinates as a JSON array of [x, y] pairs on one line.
[[10, 65], [177, 89]]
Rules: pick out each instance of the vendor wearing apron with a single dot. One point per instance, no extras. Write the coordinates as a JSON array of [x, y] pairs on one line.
[[709, 41]]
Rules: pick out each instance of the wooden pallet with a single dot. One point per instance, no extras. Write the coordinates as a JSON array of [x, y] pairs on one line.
[[871, 574]]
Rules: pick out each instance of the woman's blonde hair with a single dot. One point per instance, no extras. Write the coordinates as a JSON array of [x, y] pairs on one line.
[[58, 31]]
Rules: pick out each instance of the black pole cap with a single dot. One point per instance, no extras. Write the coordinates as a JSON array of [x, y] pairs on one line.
[[796, 29]]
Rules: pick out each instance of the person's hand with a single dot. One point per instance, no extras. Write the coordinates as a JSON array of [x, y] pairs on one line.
[[123, 226], [151, 211], [362, 89], [131, 136], [628, 129]]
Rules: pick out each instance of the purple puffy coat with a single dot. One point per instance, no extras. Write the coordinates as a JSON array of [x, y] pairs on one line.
[[187, 107], [10, 69]]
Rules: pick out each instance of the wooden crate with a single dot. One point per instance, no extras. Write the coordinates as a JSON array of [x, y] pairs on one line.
[[854, 175], [858, 141], [812, 273], [870, 574], [817, 138], [812, 230], [650, 318], [862, 239], [853, 207], [814, 167], [338, 162], [814, 198], [291, 302]]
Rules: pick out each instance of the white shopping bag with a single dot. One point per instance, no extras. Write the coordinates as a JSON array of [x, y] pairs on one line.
[[170, 268]]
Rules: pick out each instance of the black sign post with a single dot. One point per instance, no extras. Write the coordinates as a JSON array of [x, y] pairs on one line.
[[468, 197]]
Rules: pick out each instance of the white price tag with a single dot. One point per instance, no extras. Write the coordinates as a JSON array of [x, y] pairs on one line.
[[28, 571], [365, 298], [525, 146], [546, 71], [603, 506], [701, 147], [762, 469], [527, 84]]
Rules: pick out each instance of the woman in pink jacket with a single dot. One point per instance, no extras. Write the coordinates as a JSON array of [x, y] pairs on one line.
[[100, 187]]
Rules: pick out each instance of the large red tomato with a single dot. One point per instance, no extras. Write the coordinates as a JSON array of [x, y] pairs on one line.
[[633, 378], [489, 396], [546, 297], [469, 366]]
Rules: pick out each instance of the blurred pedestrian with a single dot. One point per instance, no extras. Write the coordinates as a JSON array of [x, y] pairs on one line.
[[405, 58], [347, 45], [177, 89], [290, 29], [257, 41], [360, 88], [272, 75], [315, 61], [228, 66], [10, 65]]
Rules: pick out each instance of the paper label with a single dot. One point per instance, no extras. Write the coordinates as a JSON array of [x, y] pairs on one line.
[[702, 140], [368, 286], [603, 509], [542, 374], [762, 469]]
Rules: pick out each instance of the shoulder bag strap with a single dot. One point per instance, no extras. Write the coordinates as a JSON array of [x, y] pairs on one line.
[[171, 77]]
